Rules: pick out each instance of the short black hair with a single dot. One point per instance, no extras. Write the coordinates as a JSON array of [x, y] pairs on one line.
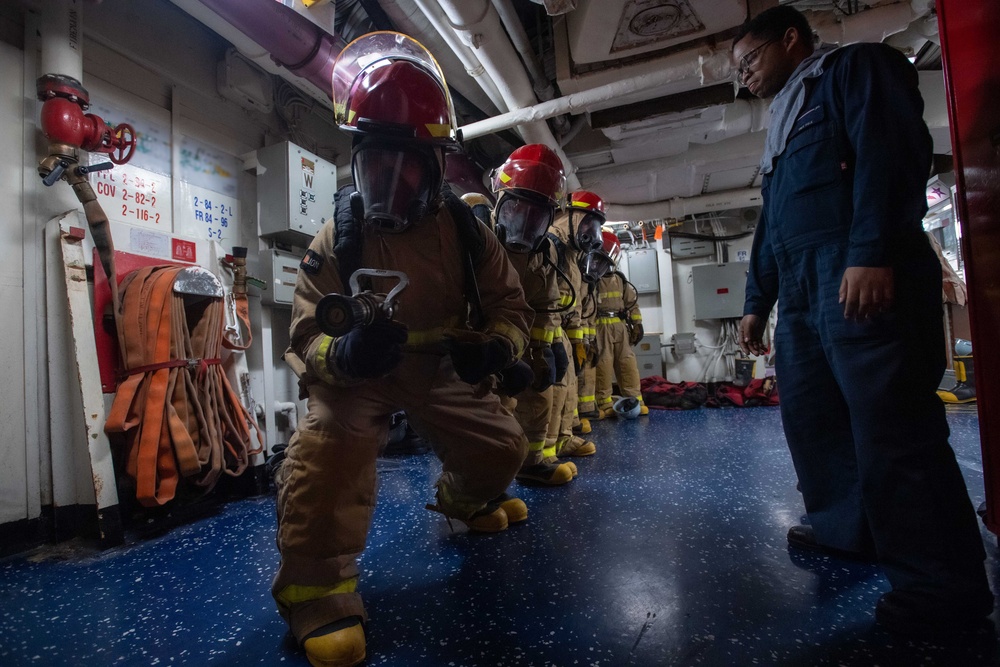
[[774, 22]]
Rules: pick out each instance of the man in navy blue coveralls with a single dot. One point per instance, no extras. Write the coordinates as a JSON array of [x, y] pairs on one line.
[[860, 347]]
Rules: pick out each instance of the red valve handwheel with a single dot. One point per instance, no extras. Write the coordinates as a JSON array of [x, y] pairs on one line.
[[123, 142]]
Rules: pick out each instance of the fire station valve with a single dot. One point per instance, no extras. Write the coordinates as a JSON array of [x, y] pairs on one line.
[[337, 314], [70, 130]]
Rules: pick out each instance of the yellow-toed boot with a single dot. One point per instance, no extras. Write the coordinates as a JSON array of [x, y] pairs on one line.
[[514, 508], [480, 518], [576, 446], [340, 644]]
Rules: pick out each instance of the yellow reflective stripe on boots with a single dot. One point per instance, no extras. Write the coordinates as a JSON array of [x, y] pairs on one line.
[[295, 594], [536, 446], [548, 451]]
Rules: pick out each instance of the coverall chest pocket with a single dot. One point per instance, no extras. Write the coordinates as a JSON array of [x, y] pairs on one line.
[[811, 159]]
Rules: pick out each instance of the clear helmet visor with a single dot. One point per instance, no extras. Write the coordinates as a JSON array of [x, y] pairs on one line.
[[395, 184], [594, 265], [521, 224], [588, 231]]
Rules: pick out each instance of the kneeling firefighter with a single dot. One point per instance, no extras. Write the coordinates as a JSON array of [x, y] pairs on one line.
[[530, 186], [417, 255]]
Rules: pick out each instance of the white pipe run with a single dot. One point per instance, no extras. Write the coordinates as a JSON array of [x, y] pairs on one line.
[[438, 22], [871, 25], [479, 26], [61, 27], [694, 71], [678, 207]]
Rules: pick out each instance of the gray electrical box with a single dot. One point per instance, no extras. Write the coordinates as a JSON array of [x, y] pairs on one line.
[[282, 269], [719, 290], [643, 270], [647, 356], [295, 192]]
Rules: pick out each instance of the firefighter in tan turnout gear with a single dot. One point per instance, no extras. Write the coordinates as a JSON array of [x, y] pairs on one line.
[[619, 327], [575, 235], [417, 351], [530, 186]]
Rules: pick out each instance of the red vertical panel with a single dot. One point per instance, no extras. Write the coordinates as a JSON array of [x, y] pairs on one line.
[[970, 30]]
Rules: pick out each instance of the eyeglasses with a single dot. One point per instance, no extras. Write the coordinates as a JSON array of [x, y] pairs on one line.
[[749, 58]]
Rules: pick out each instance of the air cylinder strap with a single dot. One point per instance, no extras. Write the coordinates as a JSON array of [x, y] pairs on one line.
[[178, 413]]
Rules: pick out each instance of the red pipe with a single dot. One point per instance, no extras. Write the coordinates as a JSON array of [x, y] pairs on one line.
[[293, 41]]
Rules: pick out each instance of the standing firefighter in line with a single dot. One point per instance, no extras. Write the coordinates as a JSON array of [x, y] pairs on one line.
[[576, 235], [619, 327], [423, 355]]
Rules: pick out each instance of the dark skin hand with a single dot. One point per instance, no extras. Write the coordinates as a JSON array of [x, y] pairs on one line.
[[866, 291], [752, 335]]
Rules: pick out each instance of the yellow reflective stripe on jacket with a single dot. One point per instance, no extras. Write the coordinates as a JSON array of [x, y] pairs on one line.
[[511, 333], [566, 300], [636, 317], [610, 295], [575, 334], [557, 334], [542, 335], [608, 320], [319, 362], [421, 337]]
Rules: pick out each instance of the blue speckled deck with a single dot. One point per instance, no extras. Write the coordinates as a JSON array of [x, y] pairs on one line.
[[669, 549]]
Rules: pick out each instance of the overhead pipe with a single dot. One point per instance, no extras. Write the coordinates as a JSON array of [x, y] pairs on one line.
[[432, 12], [540, 82], [678, 207], [479, 25], [713, 67], [871, 25]]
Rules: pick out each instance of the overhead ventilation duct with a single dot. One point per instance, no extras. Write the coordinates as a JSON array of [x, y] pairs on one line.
[[271, 35]]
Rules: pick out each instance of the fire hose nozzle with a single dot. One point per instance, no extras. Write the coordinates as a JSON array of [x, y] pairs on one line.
[[337, 314]]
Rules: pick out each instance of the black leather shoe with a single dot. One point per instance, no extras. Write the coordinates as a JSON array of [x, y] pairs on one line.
[[913, 615], [803, 537]]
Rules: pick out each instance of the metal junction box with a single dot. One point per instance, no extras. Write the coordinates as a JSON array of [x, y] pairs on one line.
[[719, 290], [647, 356], [295, 192], [643, 270], [283, 269]]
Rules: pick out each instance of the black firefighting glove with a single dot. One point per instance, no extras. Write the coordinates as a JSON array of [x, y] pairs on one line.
[[543, 365], [474, 360], [561, 359], [635, 333], [371, 351], [514, 379]]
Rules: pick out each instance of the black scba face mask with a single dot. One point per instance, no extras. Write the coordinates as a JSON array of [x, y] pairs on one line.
[[521, 223], [587, 230], [397, 182], [595, 265]]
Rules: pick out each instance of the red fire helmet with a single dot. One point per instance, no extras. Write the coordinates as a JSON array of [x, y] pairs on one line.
[[532, 168], [388, 83], [611, 245]]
